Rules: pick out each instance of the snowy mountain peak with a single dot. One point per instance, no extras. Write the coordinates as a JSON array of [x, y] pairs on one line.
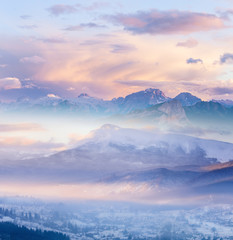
[[143, 99], [51, 95], [49, 100], [154, 91], [83, 95], [187, 99], [115, 145]]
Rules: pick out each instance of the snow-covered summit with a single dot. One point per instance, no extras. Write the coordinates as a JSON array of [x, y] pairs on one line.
[[49, 100], [83, 95], [187, 99], [109, 135]]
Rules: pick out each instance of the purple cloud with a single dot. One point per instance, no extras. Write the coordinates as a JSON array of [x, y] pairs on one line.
[[83, 25], [91, 42], [33, 59], [33, 26], [168, 22], [221, 90], [226, 58], [52, 40], [96, 5], [226, 14], [157, 84], [60, 9], [9, 83], [73, 28], [11, 66], [194, 61], [190, 43], [119, 48], [137, 83], [24, 17], [22, 90], [91, 25]]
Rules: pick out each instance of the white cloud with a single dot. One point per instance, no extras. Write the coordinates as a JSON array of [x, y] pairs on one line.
[[9, 83]]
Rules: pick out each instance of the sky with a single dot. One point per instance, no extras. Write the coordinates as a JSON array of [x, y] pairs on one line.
[[113, 48]]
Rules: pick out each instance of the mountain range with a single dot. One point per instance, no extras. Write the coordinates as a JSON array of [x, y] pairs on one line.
[[179, 182], [143, 108], [148, 104], [87, 104]]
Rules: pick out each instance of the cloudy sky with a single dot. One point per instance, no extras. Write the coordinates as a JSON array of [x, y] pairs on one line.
[[106, 49], [113, 48]]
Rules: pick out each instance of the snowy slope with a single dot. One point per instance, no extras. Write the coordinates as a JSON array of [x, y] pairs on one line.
[[143, 139]]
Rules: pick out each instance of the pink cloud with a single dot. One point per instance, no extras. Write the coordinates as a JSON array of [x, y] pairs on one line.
[[20, 127], [60, 9], [10, 83], [190, 43], [168, 22]]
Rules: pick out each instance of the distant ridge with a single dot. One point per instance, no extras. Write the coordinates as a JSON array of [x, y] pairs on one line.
[[142, 104]]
